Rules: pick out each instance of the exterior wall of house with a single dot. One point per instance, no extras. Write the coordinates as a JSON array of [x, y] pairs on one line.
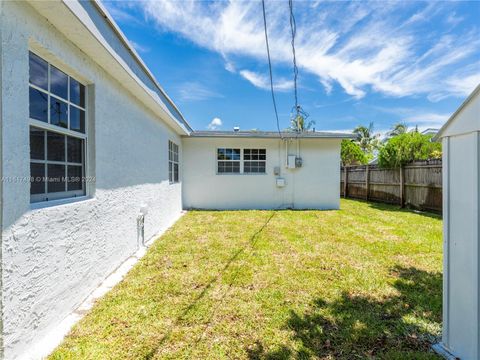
[[315, 185], [461, 176], [54, 255]]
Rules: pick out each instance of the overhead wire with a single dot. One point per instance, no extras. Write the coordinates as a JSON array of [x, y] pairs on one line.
[[293, 28], [270, 69]]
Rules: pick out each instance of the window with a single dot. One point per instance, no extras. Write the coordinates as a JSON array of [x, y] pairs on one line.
[[228, 161], [57, 132], [254, 160], [173, 162]]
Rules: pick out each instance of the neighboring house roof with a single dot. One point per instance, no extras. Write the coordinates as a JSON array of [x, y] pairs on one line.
[[430, 131], [271, 134], [454, 115]]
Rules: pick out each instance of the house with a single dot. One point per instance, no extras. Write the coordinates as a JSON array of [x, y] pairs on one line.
[[430, 131], [460, 138], [94, 153], [261, 170]]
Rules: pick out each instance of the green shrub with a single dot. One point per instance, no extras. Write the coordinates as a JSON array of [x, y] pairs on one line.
[[352, 154], [408, 147]]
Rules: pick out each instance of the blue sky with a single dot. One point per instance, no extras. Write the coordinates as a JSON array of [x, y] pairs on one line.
[[386, 62]]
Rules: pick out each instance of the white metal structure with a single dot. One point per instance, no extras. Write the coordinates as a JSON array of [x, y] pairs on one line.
[[460, 138]]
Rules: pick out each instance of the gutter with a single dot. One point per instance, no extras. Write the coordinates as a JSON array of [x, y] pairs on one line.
[[1, 185], [113, 25]]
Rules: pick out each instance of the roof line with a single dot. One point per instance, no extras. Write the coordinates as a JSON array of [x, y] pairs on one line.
[[460, 108], [111, 22], [269, 135]]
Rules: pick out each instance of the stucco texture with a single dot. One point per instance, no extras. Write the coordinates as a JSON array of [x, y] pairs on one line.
[[54, 256], [316, 185]]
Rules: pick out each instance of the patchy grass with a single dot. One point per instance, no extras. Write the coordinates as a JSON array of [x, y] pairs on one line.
[[363, 282]]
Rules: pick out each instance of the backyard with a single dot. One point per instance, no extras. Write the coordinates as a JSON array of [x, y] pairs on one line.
[[363, 282]]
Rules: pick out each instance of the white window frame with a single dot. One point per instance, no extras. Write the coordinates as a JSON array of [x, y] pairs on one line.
[[254, 160], [239, 161], [173, 159], [47, 126]]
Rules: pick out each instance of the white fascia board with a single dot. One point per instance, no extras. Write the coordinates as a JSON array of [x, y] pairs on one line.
[[71, 19], [440, 132], [134, 52]]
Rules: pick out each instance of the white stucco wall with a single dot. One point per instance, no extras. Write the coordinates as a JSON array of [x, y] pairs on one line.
[[316, 185], [54, 256], [461, 202]]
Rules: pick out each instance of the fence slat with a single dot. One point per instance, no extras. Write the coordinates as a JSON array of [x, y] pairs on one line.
[[417, 185]]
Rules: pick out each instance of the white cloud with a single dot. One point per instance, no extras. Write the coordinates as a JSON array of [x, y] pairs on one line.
[[263, 81], [214, 124], [374, 48], [194, 91], [416, 117]]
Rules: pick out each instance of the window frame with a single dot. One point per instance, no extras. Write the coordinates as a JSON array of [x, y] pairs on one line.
[[67, 195], [255, 160], [241, 161], [172, 161]]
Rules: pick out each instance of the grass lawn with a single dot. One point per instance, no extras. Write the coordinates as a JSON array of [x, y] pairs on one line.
[[364, 282]]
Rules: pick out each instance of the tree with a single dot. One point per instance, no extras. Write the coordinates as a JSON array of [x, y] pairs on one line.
[[352, 154], [408, 147], [299, 121], [398, 129], [365, 138]]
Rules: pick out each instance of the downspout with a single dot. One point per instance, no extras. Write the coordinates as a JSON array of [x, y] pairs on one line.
[[1, 183]]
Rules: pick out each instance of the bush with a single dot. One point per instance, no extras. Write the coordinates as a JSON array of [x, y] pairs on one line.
[[408, 147], [352, 154]]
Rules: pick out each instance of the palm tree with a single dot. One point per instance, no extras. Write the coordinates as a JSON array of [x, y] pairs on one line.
[[365, 138], [398, 129]]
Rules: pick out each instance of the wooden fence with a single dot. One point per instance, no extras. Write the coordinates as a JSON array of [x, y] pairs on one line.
[[417, 185]]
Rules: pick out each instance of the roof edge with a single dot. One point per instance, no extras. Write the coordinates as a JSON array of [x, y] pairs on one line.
[[123, 38], [440, 132], [269, 135]]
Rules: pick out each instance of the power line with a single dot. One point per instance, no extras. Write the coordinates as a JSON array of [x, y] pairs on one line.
[[293, 28], [270, 69]]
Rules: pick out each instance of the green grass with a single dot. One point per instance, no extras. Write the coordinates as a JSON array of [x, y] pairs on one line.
[[363, 282]]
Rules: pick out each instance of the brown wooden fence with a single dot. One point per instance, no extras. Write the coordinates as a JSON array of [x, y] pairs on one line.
[[417, 185]]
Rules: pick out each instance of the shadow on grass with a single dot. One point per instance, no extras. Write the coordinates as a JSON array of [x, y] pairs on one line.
[[250, 243], [397, 208], [355, 326]]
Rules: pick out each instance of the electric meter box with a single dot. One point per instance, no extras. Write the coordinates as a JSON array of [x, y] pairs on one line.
[[280, 182], [291, 161]]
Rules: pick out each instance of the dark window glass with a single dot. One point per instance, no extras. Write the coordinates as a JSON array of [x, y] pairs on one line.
[[77, 119], [56, 178], [38, 71], [74, 150], [58, 113], [77, 93], [75, 178], [55, 146], [254, 160], [228, 154], [58, 82], [37, 178], [170, 171], [37, 144], [175, 172], [38, 105], [228, 167]]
